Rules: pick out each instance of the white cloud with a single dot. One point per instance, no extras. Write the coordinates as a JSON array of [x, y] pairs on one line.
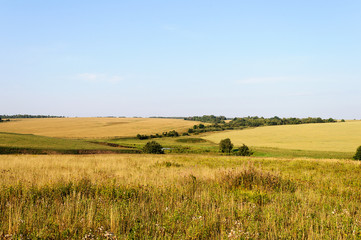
[[92, 77]]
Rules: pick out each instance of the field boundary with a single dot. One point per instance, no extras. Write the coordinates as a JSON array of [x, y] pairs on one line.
[[34, 151]]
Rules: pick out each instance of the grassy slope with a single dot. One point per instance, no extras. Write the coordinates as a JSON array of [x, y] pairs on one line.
[[23, 143], [335, 137], [178, 197], [194, 144], [279, 141], [94, 127], [177, 144]]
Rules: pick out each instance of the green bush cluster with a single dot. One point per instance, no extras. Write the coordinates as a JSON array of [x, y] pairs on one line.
[[357, 154], [207, 118], [153, 147], [226, 146], [172, 133], [243, 151], [240, 123], [261, 121]]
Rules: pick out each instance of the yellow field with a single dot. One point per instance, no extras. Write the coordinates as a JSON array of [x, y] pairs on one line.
[[339, 137], [94, 127]]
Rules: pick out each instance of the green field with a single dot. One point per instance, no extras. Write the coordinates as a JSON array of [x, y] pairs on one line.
[[198, 145], [27, 143]]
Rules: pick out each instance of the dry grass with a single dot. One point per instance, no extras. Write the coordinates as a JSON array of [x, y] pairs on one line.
[[94, 127], [337, 137], [178, 197]]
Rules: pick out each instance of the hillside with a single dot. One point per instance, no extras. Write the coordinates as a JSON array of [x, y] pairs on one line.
[[94, 127], [337, 137], [27, 143]]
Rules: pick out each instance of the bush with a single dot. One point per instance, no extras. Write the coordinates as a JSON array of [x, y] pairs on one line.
[[244, 151], [225, 145], [358, 154], [153, 147], [141, 137]]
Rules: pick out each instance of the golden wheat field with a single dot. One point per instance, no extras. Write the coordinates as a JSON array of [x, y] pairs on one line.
[[339, 137], [94, 127]]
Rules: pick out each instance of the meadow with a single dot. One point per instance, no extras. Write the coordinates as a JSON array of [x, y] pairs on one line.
[[14, 143], [178, 197], [94, 127], [336, 137], [286, 190]]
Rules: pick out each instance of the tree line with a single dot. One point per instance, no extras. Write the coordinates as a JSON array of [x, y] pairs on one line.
[[261, 121], [2, 120], [207, 119], [172, 133], [240, 123], [29, 116]]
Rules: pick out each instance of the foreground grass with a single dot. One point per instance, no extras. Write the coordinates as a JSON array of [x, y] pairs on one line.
[[292, 153], [178, 197]]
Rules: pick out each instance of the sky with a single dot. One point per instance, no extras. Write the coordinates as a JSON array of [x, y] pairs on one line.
[[181, 58]]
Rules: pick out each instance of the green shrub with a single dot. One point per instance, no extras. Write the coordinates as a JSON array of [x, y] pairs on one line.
[[358, 154], [225, 145], [141, 137], [243, 151], [153, 147]]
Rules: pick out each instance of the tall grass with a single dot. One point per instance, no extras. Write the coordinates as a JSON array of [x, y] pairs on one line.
[[178, 197]]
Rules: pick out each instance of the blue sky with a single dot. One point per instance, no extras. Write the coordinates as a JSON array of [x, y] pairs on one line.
[[181, 58]]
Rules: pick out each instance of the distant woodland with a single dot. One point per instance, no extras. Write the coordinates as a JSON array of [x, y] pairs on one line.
[[28, 116], [219, 123]]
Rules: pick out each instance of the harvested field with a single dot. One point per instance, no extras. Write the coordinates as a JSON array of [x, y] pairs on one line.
[[94, 127], [337, 137]]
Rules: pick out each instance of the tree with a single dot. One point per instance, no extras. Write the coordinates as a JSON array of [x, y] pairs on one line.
[[153, 147], [244, 151], [225, 145], [358, 154]]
